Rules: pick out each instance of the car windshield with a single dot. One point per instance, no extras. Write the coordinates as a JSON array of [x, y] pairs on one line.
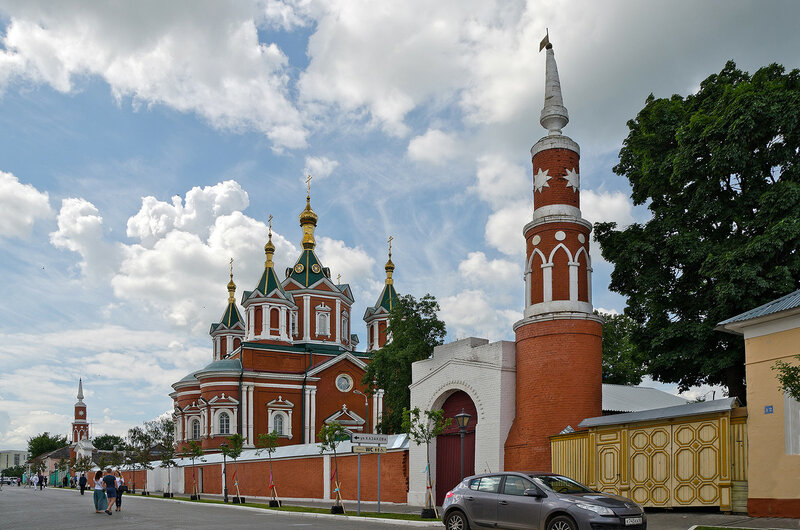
[[561, 484]]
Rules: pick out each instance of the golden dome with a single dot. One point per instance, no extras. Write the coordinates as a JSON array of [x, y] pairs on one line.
[[231, 286], [308, 220]]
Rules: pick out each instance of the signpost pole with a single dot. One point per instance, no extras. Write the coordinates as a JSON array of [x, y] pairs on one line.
[[379, 483], [359, 483]]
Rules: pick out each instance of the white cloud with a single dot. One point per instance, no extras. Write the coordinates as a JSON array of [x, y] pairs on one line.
[[319, 167], [471, 312], [500, 182], [353, 263], [202, 207], [434, 147], [478, 270], [205, 60], [80, 229], [504, 228], [21, 205], [599, 207]]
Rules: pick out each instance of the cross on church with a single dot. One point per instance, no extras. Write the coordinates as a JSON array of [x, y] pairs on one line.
[[270, 225], [339, 279], [231, 267], [390, 245], [308, 185]]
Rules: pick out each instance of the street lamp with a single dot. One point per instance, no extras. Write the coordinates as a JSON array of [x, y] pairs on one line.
[[462, 420], [366, 405], [224, 449]]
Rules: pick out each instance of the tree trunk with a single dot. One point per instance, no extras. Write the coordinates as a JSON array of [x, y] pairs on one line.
[[735, 381]]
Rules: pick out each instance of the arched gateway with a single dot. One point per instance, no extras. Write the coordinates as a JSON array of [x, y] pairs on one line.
[[448, 445]]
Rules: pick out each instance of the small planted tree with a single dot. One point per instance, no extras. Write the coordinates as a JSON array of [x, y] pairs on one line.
[[268, 443], [330, 436], [233, 450], [194, 451], [789, 377], [422, 428], [83, 464], [141, 443]]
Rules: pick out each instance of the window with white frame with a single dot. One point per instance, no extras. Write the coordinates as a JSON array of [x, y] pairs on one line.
[[277, 424], [224, 423], [791, 419], [294, 323], [345, 330], [195, 429], [323, 320]]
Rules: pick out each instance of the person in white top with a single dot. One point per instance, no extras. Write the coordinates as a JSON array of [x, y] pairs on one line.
[[120, 489], [99, 494]]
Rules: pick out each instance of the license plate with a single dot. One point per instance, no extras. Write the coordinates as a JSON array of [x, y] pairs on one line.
[[630, 521]]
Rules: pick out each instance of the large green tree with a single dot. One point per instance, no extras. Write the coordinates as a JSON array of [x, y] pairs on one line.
[[720, 173], [106, 442], [415, 330], [44, 443], [623, 362]]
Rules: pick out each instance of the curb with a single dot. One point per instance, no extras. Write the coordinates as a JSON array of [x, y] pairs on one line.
[[421, 524]]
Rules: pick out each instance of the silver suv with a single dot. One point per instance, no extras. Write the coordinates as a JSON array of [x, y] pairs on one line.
[[536, 500]]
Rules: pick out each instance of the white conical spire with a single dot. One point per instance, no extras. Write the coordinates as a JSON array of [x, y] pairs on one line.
[[554, 114], [80, 390]]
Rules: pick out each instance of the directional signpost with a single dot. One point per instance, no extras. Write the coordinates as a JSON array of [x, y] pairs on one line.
[[377, 445]]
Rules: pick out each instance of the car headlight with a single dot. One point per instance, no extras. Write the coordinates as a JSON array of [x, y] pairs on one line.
[[599, 510]]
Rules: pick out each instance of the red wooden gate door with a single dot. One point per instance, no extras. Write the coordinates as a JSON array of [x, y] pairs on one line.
[[448, 446]]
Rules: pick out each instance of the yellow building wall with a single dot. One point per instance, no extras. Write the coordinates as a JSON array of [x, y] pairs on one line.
[[772, 473]]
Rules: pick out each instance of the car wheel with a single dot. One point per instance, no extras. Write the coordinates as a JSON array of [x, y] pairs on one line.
[[561, 522], [456, 520]]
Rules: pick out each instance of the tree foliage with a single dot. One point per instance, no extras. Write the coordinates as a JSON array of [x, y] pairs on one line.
[[788, 377], [720, 173], [415, 331], [107, 442], [623, 362], [44, 443], [13, 471]]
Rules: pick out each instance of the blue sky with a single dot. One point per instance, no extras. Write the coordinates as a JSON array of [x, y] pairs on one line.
[[143, 145]]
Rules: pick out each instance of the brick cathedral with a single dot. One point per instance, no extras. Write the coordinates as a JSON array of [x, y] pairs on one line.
[[286, 362]]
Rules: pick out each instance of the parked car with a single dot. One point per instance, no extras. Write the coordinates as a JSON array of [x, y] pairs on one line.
[[545, 501], [8, 480]]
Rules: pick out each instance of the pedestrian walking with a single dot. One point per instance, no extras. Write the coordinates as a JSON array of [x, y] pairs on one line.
[[42, 482], [99, 493], [35, 481], [82, 482], [121, 488], [110, 483]]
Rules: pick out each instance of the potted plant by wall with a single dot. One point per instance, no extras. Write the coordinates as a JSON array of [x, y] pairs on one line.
[[422, 428], [330, 436], [268, 443]]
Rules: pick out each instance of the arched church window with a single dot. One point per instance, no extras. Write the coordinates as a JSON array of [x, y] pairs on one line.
[[195, 429], [277, 424], [345, 331], [224, 423], [323, 320]]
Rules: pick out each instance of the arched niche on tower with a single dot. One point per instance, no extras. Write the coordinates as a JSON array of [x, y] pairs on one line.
[[582, 259], [560, 259], [258, 319]]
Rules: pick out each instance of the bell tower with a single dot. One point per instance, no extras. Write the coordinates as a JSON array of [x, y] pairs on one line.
[[559, 339], [80, 427]]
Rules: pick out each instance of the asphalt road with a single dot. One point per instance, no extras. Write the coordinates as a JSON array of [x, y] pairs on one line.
[[53, 508]]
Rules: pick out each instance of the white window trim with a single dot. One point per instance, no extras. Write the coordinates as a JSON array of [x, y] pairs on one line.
[[215, 420], [323, 314], [287, 421], [192, 421]]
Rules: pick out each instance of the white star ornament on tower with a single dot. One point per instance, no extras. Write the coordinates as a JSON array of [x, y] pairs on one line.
[[540, 180], [573, 179]]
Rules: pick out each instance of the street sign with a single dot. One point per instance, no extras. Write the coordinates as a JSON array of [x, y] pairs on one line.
[[366, 438], [371, 449]]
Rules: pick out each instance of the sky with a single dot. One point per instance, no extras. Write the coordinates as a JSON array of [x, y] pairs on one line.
[[145, 144]]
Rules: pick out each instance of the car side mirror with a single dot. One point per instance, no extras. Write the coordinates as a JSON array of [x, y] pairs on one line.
[[533, 492]]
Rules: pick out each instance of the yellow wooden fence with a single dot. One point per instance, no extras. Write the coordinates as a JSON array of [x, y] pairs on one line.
[[690, 461]]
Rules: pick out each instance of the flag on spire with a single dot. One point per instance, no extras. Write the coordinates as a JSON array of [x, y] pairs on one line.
[[545, 40]]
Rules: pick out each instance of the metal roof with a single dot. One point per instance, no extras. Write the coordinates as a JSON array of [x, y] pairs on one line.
[[690, 409], [624, 398], [789, 301]]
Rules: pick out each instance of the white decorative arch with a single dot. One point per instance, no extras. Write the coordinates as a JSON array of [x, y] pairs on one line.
[[216, 411], [555, 249], [529, 265], [451, 387]]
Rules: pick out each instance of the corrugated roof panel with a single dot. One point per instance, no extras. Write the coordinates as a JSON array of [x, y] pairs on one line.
[[690, 409], [623, 398], [790, 301]]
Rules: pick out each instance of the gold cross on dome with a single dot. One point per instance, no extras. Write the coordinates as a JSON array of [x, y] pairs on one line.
[[339, 279], [308, 185], [231, 268], [270, 224], [390, 244]]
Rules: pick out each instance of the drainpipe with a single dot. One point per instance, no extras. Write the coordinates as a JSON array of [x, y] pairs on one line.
[[241, 374]]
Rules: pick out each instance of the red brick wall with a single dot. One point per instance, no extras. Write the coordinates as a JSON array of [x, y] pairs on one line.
[[773, 507], [305, 478], [559, 383], [141, 479], [556, 161]]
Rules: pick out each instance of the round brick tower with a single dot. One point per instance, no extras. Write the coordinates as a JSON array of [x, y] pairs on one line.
[[559, 339]]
